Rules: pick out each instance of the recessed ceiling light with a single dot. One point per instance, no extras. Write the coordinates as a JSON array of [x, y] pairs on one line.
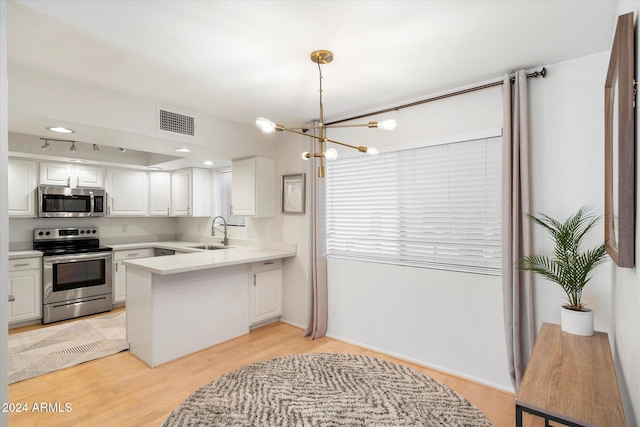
[[208, 163], [183, 150], [60, 129]]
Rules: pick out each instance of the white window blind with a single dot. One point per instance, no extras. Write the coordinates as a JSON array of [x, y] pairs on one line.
[[433, 207]]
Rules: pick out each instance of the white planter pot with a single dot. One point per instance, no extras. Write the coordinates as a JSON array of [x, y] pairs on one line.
[[577, 322]]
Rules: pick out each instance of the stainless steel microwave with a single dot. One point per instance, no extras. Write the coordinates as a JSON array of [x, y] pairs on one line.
[[63, 202]]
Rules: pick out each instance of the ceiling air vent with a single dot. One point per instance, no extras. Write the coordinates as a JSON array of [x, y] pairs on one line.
[[168, 121]]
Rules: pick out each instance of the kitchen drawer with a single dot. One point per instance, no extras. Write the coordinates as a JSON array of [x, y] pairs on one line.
[[272, 264], [24, 263], [133, 254]]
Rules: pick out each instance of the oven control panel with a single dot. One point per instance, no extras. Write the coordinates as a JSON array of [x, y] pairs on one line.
[[65, 233]]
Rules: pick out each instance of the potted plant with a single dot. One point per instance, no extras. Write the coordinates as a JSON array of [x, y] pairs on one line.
[[570, 267]]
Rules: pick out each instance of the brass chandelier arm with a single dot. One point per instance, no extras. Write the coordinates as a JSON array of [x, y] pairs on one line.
[[324, 139], [358, 125]]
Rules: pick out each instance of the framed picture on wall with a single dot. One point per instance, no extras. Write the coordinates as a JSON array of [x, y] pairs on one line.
[[293, 193], [619, 141]]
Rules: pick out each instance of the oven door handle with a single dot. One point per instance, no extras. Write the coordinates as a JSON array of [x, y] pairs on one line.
[[76, 257]]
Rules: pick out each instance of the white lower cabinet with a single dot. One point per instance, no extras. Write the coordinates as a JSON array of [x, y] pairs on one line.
[[25, 284], [120, 271], [265, 289]]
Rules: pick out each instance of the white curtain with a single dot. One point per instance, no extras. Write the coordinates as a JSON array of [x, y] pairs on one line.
[[516, 228]]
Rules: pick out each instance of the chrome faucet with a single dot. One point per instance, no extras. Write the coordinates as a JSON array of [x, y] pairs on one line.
[[225, 241]]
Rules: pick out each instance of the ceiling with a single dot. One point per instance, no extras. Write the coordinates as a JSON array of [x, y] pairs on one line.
[[237, 60]]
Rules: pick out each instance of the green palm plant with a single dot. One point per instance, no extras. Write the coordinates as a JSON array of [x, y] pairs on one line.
[[570, 268]]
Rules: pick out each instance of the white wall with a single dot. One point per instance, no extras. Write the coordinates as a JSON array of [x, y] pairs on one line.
[[447, 320], [427, 315], [625, 304], [567, 118], [112, 230], [4, 210], [106, 117], [567, 170]]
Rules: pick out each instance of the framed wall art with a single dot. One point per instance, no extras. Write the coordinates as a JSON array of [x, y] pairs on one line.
[[619, 141], [293, 193]]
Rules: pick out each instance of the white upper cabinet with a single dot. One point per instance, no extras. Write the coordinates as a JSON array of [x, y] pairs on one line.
[[159, 193], [89, 176], [127, 191], [191, 192], [67, 175], [253, 187], [22, 188], [55, 174]]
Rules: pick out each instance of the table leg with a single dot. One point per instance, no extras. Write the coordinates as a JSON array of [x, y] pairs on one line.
[[518, 415]]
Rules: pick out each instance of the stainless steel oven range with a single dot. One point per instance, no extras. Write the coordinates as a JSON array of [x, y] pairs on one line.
[[76, 273]]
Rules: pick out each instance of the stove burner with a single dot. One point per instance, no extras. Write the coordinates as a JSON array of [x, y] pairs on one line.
[[64, 241]]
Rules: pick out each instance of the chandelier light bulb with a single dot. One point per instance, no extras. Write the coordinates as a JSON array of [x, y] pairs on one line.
[[331, 154], [265, 125], [387, 124], [306, 155], [372, 151]]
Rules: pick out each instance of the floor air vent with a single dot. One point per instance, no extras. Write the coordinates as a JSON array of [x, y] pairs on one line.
[[169, 121]]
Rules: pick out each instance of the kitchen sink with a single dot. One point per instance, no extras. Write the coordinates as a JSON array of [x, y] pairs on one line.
[[209, 247]]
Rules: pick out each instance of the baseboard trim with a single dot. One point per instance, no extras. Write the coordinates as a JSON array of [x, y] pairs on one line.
[[438, 368]]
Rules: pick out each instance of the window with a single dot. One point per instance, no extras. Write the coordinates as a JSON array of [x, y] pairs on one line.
[[432, 207], [223, 201]]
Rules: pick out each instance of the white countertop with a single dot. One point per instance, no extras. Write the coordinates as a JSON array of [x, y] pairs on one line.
[[202, 259], [24, 254], [175, 245]]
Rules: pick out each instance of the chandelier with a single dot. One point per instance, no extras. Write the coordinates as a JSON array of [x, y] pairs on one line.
[[322, 57]]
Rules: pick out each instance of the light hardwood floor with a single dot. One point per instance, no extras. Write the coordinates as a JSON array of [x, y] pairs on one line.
[[120, 390]]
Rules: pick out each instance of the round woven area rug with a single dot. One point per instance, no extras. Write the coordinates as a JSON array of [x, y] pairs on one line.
[[326, 389]]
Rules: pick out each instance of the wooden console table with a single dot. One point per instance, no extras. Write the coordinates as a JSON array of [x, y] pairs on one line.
[[571, 380]]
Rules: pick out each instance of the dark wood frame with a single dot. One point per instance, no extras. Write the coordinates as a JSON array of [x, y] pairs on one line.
[[619, 91]]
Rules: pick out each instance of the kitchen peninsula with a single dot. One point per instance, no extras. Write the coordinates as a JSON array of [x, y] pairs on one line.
[[179, 304]]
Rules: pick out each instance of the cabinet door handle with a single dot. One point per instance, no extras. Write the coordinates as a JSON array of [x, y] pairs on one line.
[[254, 279], [77, 181], [268, 262], [68, 181], [167, 210], [136, 254], [21, 265], [116, 267], [12, 298]]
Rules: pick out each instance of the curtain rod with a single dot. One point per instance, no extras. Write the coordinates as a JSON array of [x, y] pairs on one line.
[[542, 73]]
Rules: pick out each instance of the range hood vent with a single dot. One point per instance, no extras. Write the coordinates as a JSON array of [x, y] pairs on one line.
[[169, 121]]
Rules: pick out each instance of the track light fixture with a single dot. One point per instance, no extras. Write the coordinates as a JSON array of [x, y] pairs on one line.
[[122, 150], [321, 57], [73, 147], [45, 145], [95, 147]]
